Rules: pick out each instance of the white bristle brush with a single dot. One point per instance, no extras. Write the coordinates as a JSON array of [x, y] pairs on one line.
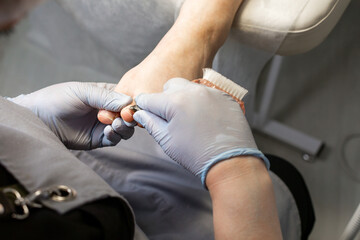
[[213, 79], [225, 84]]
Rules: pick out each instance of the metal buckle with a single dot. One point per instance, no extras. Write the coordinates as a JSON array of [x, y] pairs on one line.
[[19, 201], [59, 193]]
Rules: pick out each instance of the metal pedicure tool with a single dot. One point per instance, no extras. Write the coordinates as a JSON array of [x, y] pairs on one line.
[[135, 108]]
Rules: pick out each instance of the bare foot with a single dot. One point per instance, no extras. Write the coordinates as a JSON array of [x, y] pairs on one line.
[[167, 61], [188, 47]]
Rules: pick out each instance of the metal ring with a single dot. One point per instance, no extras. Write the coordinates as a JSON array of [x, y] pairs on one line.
[[63, 193], [19, 201]]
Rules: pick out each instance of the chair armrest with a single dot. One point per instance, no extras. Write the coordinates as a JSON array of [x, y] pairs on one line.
[[304, 23]]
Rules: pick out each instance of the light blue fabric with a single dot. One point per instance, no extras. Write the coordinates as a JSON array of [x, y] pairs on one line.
[[195, 135], [70, 111], [233, 153]]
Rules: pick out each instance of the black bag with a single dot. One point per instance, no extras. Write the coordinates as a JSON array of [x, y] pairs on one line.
[[108, 218]]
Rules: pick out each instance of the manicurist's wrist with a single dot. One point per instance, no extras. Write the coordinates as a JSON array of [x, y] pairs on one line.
[[20, 100], [236, 169]]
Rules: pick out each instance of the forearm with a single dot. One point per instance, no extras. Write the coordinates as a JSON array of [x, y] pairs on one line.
[[243, 200]]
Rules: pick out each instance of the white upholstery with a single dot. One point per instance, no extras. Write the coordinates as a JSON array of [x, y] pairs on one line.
[[305, 22]]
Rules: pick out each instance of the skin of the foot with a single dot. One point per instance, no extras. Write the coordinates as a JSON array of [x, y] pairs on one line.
[[183, 52]]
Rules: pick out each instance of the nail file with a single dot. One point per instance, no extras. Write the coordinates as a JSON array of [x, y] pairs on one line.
[[135, 108]]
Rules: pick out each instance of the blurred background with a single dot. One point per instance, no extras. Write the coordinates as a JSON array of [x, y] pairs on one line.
[[318, 93]]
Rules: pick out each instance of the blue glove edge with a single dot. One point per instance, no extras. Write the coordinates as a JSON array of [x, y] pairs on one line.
[[230, 154]]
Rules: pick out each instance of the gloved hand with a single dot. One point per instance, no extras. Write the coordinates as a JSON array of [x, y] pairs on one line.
[[70, 111], [196, 126]]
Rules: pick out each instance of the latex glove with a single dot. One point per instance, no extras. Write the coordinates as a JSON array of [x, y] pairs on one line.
[[196, 126], [70, 111]]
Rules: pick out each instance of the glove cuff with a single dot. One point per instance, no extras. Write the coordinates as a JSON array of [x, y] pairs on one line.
[[14, 99], [230, 154], [19, 100]]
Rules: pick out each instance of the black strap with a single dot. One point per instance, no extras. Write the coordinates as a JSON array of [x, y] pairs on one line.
[[7, 206], [296, 184]]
